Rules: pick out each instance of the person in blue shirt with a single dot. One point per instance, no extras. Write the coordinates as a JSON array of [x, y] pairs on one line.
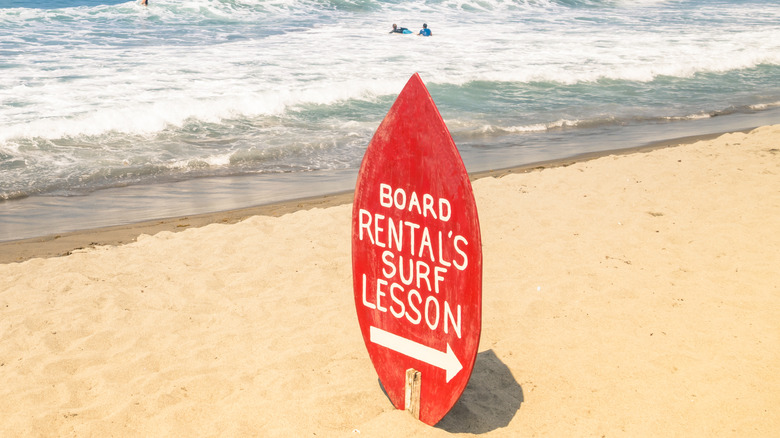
[[425, 31]]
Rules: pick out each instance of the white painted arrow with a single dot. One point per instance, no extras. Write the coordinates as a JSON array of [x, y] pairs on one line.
[[446, 361]]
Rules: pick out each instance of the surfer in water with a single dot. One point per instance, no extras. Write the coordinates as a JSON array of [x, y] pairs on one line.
[[425, 31], [145, 2], [397, 29]]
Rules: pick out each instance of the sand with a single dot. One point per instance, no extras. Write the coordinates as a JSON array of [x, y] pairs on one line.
[[632, 295]]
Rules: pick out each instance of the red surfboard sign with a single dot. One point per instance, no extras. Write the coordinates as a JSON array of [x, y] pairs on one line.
[[417, 255]]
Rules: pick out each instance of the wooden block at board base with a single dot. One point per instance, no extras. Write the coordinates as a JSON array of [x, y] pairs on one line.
[[413, 383]]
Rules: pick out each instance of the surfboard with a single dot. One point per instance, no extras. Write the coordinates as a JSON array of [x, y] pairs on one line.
[[417, 256]]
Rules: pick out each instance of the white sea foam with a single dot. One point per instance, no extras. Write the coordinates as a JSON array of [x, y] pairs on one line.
[[138, 89], [91, 87], [765, 106]]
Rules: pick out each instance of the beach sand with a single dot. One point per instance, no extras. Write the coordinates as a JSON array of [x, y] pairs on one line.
[[630, 295]]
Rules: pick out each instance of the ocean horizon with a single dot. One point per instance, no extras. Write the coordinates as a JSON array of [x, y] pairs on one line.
[[112, 112]]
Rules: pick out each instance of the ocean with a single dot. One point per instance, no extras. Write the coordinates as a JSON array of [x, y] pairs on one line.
[[112, 112]]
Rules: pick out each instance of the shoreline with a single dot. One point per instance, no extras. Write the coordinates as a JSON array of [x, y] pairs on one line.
[[65, 243]]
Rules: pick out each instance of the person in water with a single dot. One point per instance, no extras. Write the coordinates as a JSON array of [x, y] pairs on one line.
[[145, 2], [425, 31], [397, 29]]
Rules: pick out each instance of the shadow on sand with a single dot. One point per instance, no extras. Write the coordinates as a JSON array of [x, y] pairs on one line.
[[489, 402]]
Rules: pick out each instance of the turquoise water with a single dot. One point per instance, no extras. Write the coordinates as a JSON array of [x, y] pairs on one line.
[[98, 95]]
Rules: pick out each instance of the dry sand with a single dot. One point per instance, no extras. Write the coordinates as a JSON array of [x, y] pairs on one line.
[[633, 295]]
